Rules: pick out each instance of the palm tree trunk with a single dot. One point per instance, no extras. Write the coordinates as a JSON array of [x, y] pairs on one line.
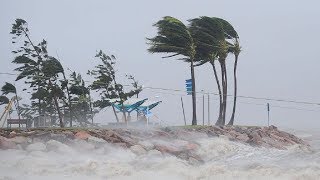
[[194, 107], [225, 93], [219, 122], [235, 90], [219, 89]]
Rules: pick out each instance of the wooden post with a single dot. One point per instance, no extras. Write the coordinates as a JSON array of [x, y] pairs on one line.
[[208, 109], [268, 108], [202, 108], [184, 115]]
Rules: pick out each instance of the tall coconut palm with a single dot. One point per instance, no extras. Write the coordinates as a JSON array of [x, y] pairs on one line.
[[174, 37], [236, 49], [207, 32], [224, 49]]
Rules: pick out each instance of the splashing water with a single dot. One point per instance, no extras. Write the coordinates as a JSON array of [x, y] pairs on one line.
[[223, 159]]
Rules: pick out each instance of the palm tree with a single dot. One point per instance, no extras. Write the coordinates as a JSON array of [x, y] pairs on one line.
[[207, 32], [236, 49], [174, 37], [224, 49], [231, 34]]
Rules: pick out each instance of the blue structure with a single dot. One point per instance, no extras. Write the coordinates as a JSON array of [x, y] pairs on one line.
[[142, 107], [189, 86], [128, 107]]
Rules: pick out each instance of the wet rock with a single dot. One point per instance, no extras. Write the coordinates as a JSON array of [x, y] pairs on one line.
[[58, 147], [242, 137], [59, 137], [137, 149], [154, 152], [96, 140], [19, 139], [68, 134], [83, 135], [38, 146], [6, 144], [12, 134], [122, 145], [82, 145], [167, 149], [193, 161], [191, 146], [255, 138], [146, 145]]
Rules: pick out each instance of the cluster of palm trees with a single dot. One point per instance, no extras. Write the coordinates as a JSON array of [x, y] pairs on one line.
[[53, 94], [204, 40]]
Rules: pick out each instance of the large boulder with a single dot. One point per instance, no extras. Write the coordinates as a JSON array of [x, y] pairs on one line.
[[154, 152], [146, 145], [58, 147], [83, 135], [6, 144], [137, 149], [19, 139], [82, 145], [38, 146], [96, 140]]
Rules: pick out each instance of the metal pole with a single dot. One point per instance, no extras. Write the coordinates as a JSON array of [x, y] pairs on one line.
[[268, 108], [184, 115], [202, 108], [208, 110], [147, 116]]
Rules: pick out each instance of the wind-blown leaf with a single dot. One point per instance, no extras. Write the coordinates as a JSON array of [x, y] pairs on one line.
[[8, 88], [24, 60], [4, 100]]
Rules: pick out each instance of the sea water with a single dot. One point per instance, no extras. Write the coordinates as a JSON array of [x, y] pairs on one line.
[[223, 159]]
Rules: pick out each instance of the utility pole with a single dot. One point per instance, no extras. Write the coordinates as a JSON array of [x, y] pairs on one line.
[[184, 115], [202, 107], [208, 109], [268, 108]]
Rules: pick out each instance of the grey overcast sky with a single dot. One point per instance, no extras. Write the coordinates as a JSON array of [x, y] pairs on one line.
[[280, 57]]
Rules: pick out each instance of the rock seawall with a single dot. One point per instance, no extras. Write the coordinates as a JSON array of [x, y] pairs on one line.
[[177, 141]]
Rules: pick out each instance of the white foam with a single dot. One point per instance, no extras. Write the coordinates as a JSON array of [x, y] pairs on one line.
[[223, 160]]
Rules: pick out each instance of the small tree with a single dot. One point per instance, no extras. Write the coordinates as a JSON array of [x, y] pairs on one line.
[[106, 83], [40, 69]]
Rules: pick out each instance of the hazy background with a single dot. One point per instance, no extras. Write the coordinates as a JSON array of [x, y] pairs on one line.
[[279, 59]]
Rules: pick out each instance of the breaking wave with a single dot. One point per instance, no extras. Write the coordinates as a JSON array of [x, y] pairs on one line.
[[223, 159]]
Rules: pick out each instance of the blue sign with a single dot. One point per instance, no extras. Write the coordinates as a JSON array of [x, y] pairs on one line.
[[189, 86]]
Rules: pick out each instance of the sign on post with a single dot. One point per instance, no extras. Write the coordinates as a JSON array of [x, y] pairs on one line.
[[189, 86]]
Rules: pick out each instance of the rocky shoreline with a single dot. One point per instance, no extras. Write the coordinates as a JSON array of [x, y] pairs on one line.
[[177, 141]]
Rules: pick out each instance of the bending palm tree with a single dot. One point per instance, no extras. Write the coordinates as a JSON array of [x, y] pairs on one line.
[[207, 32], [236, 51], [175, 38], [224, 49]]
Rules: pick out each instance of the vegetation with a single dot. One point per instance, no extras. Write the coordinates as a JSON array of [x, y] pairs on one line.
[[205, 40], [53, 95], [67, 98], [106, 82], [175, 38]]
